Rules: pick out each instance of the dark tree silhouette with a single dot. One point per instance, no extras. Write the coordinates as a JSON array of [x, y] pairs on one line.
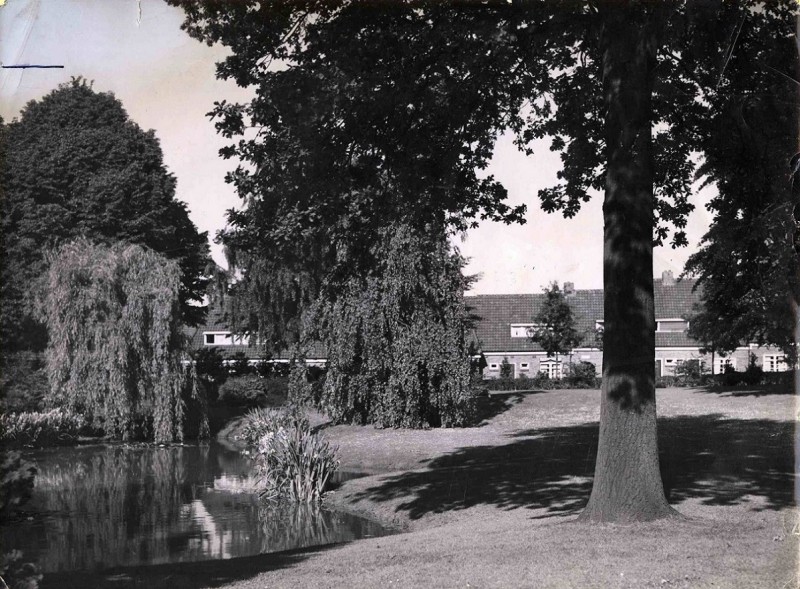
[[74, 164], [555, 326]]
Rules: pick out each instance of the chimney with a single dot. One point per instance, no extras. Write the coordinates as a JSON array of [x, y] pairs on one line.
[[569, 288], [667, 278]]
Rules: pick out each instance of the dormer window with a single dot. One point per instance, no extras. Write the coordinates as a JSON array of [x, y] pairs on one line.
[[672, 325], [522, 329], [218, 338]]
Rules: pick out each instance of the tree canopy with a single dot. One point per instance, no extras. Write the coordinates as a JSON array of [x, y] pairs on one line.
[[555, 326], [116, 349], [370, 115], [74, 164], [747, 267]]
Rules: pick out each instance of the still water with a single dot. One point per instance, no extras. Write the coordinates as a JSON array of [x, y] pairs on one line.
[[96, 507]]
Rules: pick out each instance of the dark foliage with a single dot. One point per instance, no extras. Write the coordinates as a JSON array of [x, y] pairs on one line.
[[747, 269], [582, 375], [554, 324], [74, 164], [240, 365], [16, 483], [251, 390], [506, 370], [23, 382]]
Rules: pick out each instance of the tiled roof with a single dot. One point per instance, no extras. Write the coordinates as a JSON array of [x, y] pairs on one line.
[[494, 315], [675, 300]]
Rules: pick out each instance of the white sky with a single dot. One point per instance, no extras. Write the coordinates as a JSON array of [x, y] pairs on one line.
[[166, 82]]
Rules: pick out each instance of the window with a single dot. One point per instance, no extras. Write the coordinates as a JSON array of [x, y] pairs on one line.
[[672, 325], [494, 366], [524, 366], [551, 368], [217, 338], [522, 329], [775, 363], [667, 366], [721, 363]]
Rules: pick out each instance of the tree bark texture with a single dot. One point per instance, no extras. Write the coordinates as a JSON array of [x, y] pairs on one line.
[[627, 482]]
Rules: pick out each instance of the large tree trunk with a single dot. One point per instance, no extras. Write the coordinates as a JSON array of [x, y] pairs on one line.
[[627, 483]]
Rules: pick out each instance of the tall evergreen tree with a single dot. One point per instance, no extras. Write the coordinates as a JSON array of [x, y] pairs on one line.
[[74, 164], [389, 112]]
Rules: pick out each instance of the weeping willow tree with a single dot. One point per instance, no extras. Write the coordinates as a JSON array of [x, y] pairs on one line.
[[396, 338], [115, 345]]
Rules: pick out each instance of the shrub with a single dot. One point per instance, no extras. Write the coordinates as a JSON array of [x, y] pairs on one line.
[[582, 375], [754, 373], [53, 428], [210, 369], [242, 390], [784, 379], [664, 382], [292, 462], [689, 373], [240, 365], [267, 369], [539, 382], [730, 377], [506, 370]]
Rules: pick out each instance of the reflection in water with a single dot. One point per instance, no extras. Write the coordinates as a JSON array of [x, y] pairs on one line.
[[99, 507]]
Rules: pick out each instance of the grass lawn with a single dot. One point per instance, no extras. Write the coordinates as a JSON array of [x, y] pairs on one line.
[[494, 505]]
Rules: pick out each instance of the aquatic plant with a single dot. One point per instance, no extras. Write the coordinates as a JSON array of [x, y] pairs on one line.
[[292, 462], [49, 428]]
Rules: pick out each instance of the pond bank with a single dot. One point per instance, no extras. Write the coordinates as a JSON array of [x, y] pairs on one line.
[[492, 506]]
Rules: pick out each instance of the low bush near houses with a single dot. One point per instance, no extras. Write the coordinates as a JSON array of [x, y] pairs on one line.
[[754, 374], [292, 462], [51, 428], [252, 390], [665, 382], [784, 379], [539, 382], [689, 373], [582, 375]]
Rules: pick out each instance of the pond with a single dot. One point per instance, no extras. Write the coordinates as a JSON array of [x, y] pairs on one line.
[[96, 507]]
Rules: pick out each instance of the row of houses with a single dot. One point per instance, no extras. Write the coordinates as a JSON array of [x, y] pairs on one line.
[[503, 324]]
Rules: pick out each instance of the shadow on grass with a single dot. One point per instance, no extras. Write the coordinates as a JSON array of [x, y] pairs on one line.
[[186, 575], [748, 391], [717, 460], [494, 404]]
